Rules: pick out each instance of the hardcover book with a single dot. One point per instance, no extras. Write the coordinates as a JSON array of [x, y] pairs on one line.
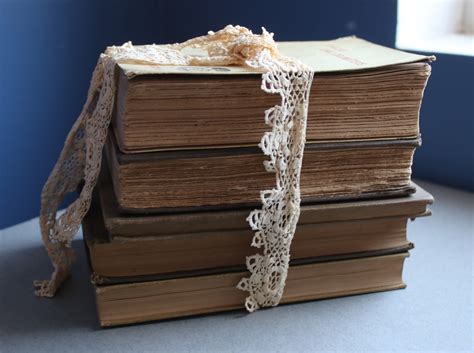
[[233, 177], [163, 299], [361, 91]]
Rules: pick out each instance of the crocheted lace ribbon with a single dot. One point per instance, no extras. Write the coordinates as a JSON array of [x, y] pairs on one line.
[[274, 224]]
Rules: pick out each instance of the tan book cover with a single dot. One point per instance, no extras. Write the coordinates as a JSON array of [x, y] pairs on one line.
[[156, 300]]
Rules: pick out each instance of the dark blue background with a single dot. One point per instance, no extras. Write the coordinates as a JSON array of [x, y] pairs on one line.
[[49, 49]]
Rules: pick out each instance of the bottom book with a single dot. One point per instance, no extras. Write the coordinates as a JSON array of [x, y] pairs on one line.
[[122, 304]]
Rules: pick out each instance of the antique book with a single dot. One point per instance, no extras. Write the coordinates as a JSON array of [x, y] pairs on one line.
[[233, 177], [129, 303], [149, 245], [360, 91]]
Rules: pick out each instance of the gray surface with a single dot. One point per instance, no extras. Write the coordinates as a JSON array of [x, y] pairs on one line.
[[433, 314]]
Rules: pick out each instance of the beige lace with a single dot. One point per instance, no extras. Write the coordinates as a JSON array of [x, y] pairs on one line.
[[274, 224]]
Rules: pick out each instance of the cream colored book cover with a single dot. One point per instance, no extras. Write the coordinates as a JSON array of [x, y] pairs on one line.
[[343, 54]]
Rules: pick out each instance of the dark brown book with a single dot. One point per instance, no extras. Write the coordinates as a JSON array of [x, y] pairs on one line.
[[212, 179], [360, 91], [150, 245], [155, 300]]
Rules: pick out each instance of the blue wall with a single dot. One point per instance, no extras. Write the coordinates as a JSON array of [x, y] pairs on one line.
[[313, 19], [447, 124], [49, 49]]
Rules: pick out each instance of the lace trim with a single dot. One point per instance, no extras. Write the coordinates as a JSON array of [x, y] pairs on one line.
[[274, 223]]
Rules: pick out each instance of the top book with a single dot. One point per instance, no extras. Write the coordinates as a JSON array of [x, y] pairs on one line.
[[361, 91]]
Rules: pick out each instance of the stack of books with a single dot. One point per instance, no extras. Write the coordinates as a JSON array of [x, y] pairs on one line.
[[166, 233]]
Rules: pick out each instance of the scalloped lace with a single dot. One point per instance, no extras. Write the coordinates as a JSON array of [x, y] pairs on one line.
[[274, 224]]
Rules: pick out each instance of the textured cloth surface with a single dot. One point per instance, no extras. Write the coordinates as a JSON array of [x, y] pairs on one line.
[[274, 224], [434, 313]]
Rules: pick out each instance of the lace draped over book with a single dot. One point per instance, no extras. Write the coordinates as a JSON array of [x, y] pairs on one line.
[[274, 224]]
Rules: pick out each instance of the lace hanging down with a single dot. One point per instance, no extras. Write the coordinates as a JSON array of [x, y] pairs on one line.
[[274, 224]]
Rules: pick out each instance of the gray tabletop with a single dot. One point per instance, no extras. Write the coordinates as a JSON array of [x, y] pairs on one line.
[[434, 313]]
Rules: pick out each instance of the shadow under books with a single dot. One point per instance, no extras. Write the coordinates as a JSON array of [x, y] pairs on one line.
[[24, 314]]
